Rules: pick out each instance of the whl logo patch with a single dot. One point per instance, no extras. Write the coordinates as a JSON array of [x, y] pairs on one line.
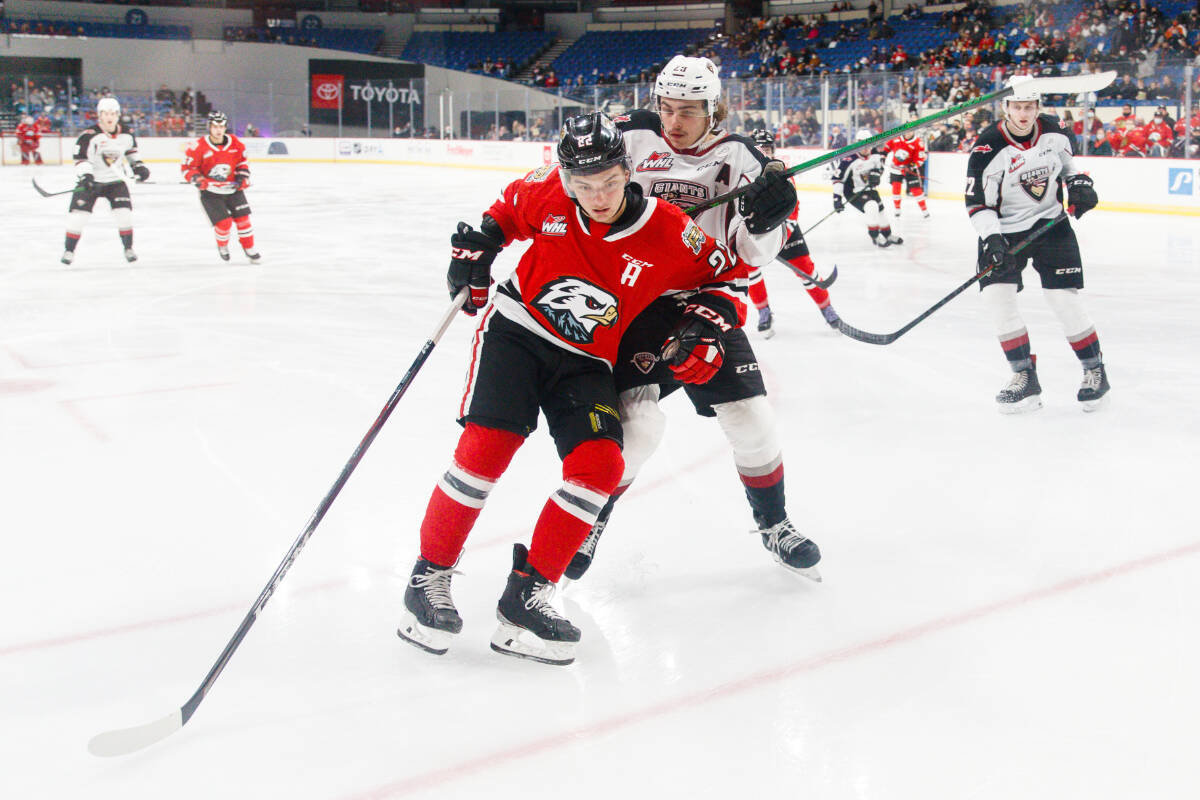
[[555, 225], [656, 161]]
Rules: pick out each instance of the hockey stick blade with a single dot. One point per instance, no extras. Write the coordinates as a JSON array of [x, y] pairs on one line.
[[44, 193], [124, 741], [1063, 84], [888, 338], [810, 282]]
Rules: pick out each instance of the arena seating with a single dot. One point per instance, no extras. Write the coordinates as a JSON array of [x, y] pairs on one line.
[[462, 50]]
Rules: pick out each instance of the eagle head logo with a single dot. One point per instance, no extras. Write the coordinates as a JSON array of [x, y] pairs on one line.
[[576, 308]]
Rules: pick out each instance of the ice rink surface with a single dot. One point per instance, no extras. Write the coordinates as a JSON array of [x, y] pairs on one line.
[[1009, 606]]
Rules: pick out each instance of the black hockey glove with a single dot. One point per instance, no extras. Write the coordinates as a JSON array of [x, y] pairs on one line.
[[87, 182], [694, 350], [141, 172], [1081, 197], [995, 255], [839, 203], [769, 200], [873, 179], [471, 255]]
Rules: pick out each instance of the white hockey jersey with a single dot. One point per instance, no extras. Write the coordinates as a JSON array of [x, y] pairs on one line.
[[721, 162], [104, 155], [1012, 184], [855, 173]]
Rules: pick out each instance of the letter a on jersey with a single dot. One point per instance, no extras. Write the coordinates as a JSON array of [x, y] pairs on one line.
[[576, 308]]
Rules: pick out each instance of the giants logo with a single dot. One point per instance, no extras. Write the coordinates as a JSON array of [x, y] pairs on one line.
[[644, 362], [1035, 182], [555, 225], [684, 194], [656, 161]]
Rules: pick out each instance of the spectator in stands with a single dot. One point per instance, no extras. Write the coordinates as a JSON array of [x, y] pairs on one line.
[[250, 131]]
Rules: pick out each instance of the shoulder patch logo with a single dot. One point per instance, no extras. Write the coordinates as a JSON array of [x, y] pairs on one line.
[[983, 148], [655, 161], [540, 173], [555, 225], [576, 307], [693, 237]]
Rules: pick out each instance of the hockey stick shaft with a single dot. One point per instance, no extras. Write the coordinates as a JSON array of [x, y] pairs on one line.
[[128, 740], [45, 193], [888, 338], [1066, 84], [849, 201]]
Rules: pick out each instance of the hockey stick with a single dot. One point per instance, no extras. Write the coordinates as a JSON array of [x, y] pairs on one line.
[[888, 338], [1065, 84], [128, 740], [44, 193], [811, 280]]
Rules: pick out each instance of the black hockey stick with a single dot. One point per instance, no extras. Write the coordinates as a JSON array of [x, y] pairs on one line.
[[811, 280], [888, 338], [128, 740], [1065, 84], [44, 193]]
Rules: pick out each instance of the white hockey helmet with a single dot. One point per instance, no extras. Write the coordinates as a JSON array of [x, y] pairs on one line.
[[108, 104], [1021, 93], [690, 78]]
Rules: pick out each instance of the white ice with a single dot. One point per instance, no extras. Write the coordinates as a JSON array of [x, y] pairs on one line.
[[1009, 606]]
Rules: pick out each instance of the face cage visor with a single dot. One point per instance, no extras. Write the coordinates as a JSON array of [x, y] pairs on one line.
[[566, 174]]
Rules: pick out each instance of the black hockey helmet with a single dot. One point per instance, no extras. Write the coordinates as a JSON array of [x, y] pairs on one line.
[[763, 139], [217, 117], [590, 143]]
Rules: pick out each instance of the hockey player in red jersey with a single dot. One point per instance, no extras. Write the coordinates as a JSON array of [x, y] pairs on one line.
[[600, 253], [29, 138], [905, 158], [216, 165], [794, 253]]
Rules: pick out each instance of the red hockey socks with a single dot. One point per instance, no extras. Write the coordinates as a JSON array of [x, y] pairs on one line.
[[804, 267], [480, 459], [758, 289], [590, 474], [222, 229], [245, 232]]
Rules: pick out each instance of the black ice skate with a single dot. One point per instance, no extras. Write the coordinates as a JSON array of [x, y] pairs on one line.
[[68, 257], [254, 256], [583, 557], [893, 238], [765, 320], [430, 617], [130, 256], [791, 550], [223, 252], [1023, 392], [1094, 388], [880, 240], [529, 625]]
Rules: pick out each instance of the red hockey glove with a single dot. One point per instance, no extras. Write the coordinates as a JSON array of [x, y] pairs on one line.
[[694, 350]]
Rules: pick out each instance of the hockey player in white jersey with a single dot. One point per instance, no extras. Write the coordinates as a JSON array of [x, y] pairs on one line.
[[1015, 177], [856, 180], [681, 153], [101, 153]]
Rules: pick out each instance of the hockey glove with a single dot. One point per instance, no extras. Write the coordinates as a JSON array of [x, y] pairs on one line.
[[839, 203], [873, 179], [768, 201], [1081, 197], [87, 181], [141, 172], [471, 255], [995, 255], [694, 350]]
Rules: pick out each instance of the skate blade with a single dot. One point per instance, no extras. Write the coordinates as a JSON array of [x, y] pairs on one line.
[[768, 333], [808, 572], [1093, 405], [511, 640], [1024, 406], [431, 640]]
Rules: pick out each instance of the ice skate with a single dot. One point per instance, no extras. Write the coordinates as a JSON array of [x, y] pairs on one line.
[[130, 256], [223, 252], [1094, 388], [254, 256], [583, 557], [925, 213], [529, 626], [831, 317], [765, 321], [893, 239], [430, 618], [880, 241], [791, 550], [68, 257], [896, 213], [1023, 393]]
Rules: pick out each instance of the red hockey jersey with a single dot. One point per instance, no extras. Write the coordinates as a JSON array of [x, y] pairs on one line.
[[28, 136], [581, 283], [218, 165], [906, 155]]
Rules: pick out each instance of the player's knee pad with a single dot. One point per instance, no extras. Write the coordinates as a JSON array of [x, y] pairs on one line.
[[1000, 299], [242, 222], [1067, 305], [643, 424], [123, 217], [484, 451], [76, 220], [874, 213], [749, 426], [596, 464], [895, 188]]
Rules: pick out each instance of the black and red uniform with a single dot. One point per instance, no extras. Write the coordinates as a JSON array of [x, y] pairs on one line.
[[220, 171]]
